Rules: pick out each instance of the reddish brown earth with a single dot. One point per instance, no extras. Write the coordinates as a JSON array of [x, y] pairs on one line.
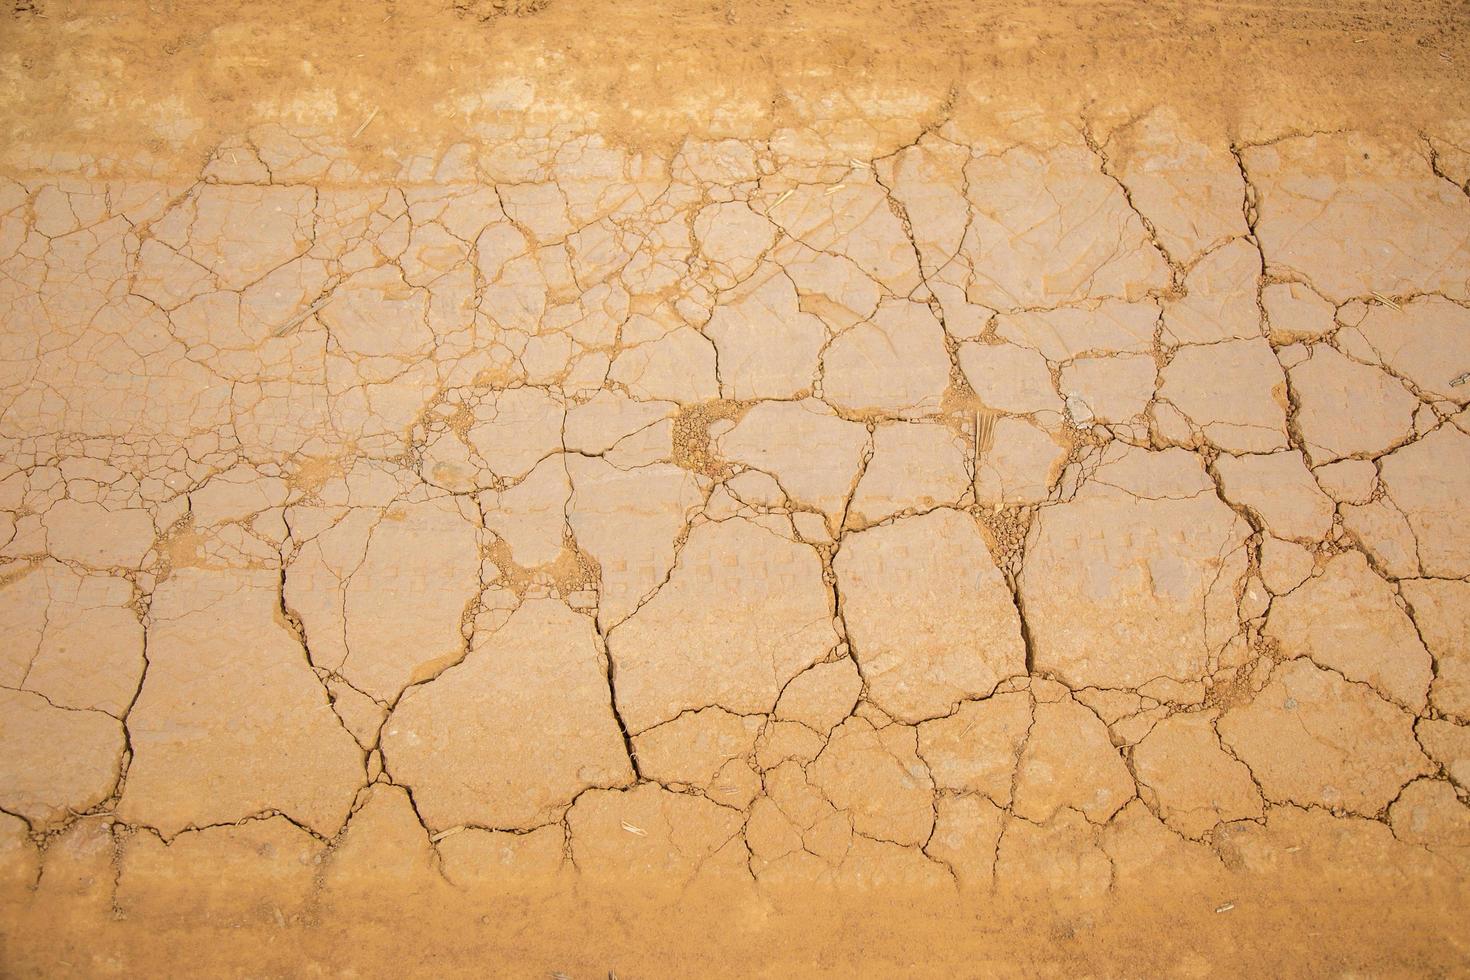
[[565, 489]]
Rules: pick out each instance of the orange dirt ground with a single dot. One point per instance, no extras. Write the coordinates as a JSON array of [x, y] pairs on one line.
[[551, 488]]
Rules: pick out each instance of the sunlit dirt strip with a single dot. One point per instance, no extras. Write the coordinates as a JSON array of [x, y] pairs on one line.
[[972, 515]]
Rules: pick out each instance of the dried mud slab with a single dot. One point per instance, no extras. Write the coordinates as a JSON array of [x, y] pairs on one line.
[[735, 490]]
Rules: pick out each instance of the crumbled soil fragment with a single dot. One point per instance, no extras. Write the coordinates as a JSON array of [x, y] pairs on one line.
[[691, 437]]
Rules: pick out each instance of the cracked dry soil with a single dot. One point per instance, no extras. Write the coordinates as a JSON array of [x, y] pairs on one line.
[[921, 489]]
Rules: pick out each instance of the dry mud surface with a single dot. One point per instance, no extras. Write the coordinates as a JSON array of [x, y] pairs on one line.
[[576, 489]]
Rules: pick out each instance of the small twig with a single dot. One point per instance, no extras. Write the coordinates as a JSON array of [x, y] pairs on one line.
[[371, 116], [301, 317]]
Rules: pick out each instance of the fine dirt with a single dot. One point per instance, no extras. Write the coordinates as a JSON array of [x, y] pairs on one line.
[[551, 488]]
